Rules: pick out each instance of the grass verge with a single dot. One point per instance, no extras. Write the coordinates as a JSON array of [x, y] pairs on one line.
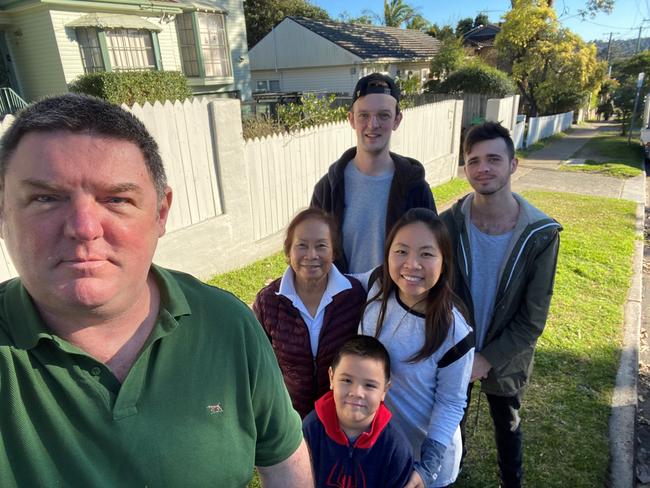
[[524, 153], [567, 405], [611, 155], [607, 168], [449, 192], [247, 281]]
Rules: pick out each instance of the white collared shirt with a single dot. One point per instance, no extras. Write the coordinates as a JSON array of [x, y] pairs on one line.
[[336, 283]]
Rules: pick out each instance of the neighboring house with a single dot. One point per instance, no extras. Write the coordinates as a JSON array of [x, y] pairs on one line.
[[480, 42], [308, 55], [46, 44]]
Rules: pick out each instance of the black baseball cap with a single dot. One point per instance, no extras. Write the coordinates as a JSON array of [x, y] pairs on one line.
[[375, 83]]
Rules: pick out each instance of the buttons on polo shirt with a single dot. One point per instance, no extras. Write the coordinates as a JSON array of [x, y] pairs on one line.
[[96, 371]]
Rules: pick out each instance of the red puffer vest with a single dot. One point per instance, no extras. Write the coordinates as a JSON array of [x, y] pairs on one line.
[[305, 376]]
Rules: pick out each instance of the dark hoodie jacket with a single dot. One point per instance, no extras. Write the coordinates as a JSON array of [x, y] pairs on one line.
[[380, 457], [408, 190]]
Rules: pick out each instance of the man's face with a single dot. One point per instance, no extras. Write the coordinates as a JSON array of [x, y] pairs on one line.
[[488, 167], [81, 219], [373, 119]]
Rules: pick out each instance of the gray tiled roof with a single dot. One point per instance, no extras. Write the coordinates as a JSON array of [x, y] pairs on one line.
[[372, 41]]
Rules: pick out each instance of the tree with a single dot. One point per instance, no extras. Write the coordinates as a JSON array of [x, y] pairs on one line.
[[464, 26], [441, 32], [626, 73], [449, 58], [481, 19], [418, 22], [592, 7], [366, 17], [552, 67], [396, 13], [263, 15]]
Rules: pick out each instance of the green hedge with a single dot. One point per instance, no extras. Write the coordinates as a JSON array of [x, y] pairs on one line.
[[131, 87], [475, 79]]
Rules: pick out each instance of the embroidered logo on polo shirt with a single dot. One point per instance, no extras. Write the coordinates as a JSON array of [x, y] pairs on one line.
[[214, 409]]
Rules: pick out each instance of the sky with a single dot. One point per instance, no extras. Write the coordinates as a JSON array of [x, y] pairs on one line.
[[624, 21]]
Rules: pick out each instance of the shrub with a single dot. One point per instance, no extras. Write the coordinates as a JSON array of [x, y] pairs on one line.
[[260, 126], [476, 78], [131, 87], [313, 110]]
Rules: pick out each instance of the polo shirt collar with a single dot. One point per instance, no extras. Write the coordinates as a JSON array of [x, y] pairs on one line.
[[27, 328]]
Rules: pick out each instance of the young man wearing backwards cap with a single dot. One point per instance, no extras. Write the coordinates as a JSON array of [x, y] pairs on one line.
[[369, 187]]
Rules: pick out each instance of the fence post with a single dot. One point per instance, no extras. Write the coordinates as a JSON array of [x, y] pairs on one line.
[[492, 110], [455, 144], [232, 177]]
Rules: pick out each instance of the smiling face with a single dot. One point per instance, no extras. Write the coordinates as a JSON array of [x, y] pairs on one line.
[[488, 167], [359, 385], [81, 219], [414, 263], [373, 117], [311, 251]]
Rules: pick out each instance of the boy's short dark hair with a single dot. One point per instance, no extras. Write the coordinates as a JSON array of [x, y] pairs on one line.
[[364, 347], [486, 132]]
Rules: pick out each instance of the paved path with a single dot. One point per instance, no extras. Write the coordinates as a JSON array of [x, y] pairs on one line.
[[539, 171]]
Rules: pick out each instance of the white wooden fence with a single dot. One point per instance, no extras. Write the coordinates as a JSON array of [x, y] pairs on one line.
[[546, 126], [518, 133], [232, 199], [474, 105], [182, 131]]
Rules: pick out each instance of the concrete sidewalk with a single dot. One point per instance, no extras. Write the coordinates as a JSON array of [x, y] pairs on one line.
[[539, 171]]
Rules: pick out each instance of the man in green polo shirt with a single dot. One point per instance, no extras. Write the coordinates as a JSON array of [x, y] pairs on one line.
[[113, 371]]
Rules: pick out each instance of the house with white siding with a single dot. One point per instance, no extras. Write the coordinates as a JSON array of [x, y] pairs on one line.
[[46, 44], [308, 55]]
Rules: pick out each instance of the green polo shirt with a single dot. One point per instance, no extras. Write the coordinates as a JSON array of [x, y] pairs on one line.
[[203, 403]]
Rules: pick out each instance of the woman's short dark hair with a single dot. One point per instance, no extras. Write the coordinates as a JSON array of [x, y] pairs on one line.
[[316, 214], [486, 132]]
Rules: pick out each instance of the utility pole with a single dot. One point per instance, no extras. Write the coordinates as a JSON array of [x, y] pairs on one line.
[[609, 51], [638, 39]]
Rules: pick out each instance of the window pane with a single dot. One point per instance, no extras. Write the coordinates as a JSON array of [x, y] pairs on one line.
[[187, 44], [130, 49], [91, 53], [274, 85], [214, 45]]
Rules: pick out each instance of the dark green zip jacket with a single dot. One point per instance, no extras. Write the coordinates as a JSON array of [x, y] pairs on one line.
[[523, 293]]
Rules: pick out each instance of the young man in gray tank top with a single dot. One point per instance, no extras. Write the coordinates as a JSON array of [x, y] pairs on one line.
[[369, 187], [505, 257]]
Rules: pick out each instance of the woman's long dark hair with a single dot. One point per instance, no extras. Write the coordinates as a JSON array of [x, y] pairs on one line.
[[440, 299]]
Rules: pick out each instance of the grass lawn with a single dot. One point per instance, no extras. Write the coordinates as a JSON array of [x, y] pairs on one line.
[[611, 155], [524, 153], [566, 408], [449, 192]]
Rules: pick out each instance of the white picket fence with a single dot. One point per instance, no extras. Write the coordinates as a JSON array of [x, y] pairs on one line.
[[518, 133], [546, 126], [182, 131]]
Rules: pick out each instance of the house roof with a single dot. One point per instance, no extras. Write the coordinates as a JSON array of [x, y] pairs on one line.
[[374, 42], [483, 34]]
